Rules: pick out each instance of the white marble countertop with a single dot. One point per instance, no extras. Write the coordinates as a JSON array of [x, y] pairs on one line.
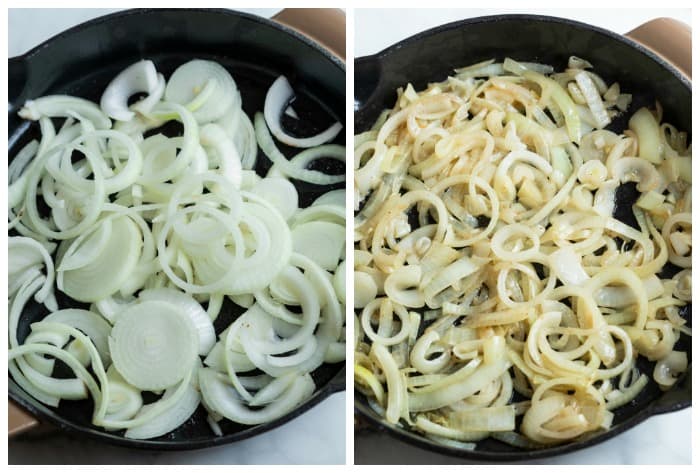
[[317, 436], [662, 439]]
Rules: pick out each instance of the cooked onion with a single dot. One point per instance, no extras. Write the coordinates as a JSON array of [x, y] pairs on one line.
[[488, 259]]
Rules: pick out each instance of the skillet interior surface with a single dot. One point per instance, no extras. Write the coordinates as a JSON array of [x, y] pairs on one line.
[[256, 51], [434, 54]]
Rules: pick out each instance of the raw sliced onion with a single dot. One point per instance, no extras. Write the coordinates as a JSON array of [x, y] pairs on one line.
[[91, 324], [25, 252], [124, 401], [191, 78], [199, 317], [151, 227], [146, 104], [170, 419], [64, 106], [277, 99], [90, 282], [322, 242], [153, 345], [139, 77], [279, 192], [223, 398], [286, 167]]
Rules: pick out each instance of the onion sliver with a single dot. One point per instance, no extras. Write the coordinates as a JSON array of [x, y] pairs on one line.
[[90, 323], [223, 399], [279, 192], [126, 176], [306, 157], [304, 291], [111, 307], [170, 419], [339, 282], [86, 248], [92, 282], [213, 137], [276, 101], [190, 143], [258, 272], [97, 196], [334, 197], [44, 365], [286, 167], [145, 105], [24, 252], [322, 242], [191, 78], [64, 106], [124, 401], [153, 345], [139, 77]]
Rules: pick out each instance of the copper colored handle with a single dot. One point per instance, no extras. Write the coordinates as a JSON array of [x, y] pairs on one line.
[[18, 420], [670, 39], [326, 26]]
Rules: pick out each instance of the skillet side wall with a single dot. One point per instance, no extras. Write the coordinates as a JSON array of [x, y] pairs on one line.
[[107, 43]]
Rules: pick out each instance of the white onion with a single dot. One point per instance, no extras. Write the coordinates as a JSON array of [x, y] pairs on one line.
[[170, 419], [153, 345], [64, 106], [90, 282], [276, 101], [200, 319], [222, 398], [150, 228], [139, 77], [192, 78]]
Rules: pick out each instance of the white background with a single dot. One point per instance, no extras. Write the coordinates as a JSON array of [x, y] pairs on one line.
[[662, 439], [317, 436]]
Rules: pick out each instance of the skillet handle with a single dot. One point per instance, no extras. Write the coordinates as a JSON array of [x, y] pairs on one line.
[[670, 39], [18, 420], [326, 26]]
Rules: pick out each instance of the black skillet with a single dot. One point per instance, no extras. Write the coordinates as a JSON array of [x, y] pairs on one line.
[[433, 55], [82, 61]]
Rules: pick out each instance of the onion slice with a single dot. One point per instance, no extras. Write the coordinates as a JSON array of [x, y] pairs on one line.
[[90, 282], [198, 316], [139, 77], [224, 399], [153, 345], [170, 419], [65, 106], [276, 101], [199, 78]]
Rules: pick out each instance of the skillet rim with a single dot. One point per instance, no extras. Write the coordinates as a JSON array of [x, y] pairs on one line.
[[220, 11], [381, 55]]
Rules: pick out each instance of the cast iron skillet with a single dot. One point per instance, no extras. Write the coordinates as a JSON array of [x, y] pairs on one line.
[[433, 55], [81, 62]]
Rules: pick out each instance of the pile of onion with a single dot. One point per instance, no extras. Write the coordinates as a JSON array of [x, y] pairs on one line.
[[152, 233]]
